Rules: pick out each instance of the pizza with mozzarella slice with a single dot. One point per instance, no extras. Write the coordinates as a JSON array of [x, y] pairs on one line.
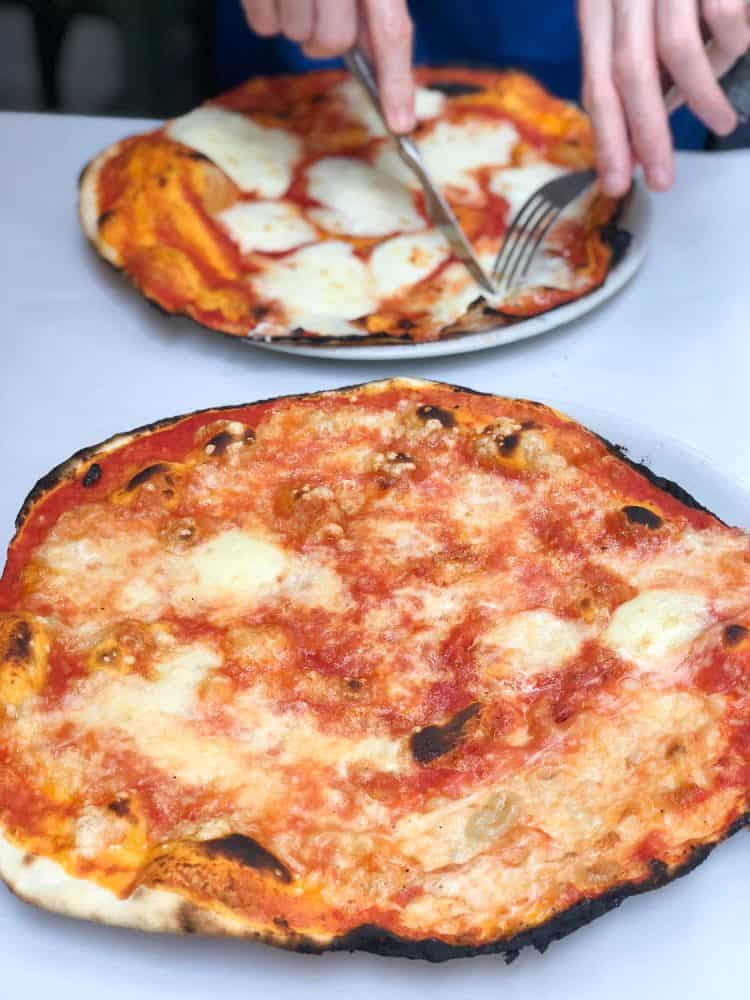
[[401, 667], [281, 210]]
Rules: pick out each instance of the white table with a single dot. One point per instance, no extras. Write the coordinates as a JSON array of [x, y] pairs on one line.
[[83, 357]]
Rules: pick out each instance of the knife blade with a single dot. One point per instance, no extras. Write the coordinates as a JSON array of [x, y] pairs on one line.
[[435, 202]]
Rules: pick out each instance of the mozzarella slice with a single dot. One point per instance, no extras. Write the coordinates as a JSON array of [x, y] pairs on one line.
[[529, 644], [233, 567], [406, 260], [258, 159], [456, 292], [656, 626], [517, 184], [266, 226], [320, 286], [359, 200], [428, 104], [454, 151]]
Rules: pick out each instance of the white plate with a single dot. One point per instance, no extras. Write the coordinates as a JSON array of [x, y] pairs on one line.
[[636, 219], [686, 940]]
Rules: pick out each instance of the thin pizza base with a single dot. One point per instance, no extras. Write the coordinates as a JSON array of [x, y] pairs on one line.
[[162, 211], [40, 880]]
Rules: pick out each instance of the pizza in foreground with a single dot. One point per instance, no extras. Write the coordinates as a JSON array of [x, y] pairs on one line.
[[281, 209], [399, 667]]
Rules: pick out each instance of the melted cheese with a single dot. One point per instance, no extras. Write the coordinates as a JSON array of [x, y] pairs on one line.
[[529, 644], [655, 626], [233, 567], [404, 261], [259, 160], [96, 829], [517, 184], [266, 226], [359, 200], [454, 151], [320, 286]]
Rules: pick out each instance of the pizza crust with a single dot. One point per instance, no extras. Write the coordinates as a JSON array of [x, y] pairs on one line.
[[88, 205], [43, 882]]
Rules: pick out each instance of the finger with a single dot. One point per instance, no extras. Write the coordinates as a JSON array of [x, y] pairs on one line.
[[334, 30], [391, 35], [682, 50], [262, 16], [639, 86], [601, 100], [729, 25], [297, 19]]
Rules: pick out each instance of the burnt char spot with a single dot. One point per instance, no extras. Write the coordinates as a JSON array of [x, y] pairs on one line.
[[734, 634], [193, 154], [249, 437], [120, 807], [617, 239], [219, 443], [444, 417], [456, 88], [104, 217], [400, 457], [93, 475], [643, 516], [260, 312], [19, 642], [246, 851], [508, 444], [406, 324], [434, 741], [144, 475], [186, 919]]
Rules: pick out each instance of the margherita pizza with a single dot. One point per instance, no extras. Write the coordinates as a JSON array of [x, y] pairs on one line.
[[399, 667], [281, 210]]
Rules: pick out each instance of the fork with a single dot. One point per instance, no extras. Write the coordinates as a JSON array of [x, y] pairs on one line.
[[531, 224]]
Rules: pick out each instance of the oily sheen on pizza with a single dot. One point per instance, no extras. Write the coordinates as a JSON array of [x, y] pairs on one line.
[[399, 667], [281, 209]]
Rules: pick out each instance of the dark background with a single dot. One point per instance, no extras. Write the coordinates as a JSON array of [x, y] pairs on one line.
[[155, 58]]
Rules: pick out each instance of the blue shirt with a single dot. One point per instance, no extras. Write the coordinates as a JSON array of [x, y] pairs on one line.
[[539, 36]]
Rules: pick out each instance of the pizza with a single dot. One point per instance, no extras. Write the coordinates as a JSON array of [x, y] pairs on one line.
[[400, 667], [281, 210]]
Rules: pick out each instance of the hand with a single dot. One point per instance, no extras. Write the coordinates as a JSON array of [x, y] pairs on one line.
[[328, 28], [628, 45]]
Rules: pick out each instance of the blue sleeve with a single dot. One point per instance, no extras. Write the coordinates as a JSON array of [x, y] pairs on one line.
[[538, 36]]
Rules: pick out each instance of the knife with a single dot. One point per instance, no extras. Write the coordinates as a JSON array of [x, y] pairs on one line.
[[437, 207]]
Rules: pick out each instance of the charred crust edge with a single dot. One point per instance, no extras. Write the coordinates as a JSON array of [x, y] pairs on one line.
[[665, 485], [374, 939], [378, 941], [71, 466]]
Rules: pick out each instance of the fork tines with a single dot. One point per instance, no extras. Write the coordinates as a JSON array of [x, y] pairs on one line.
[[531, 224]]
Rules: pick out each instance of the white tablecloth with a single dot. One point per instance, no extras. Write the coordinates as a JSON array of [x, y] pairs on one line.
[[82, 357]]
